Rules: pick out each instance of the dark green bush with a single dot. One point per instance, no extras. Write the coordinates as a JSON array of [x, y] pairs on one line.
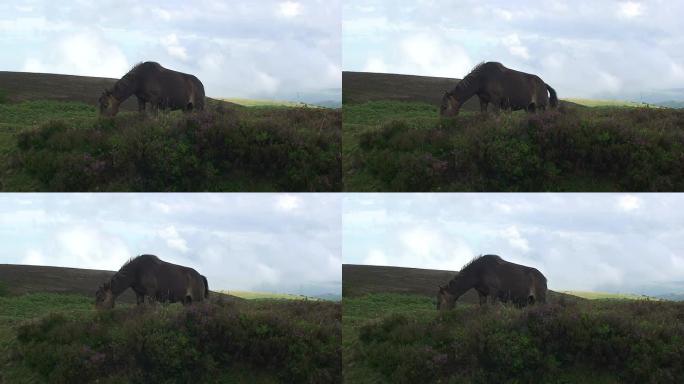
[[298, 342], [294, 149], [639, 342], [629, 150]]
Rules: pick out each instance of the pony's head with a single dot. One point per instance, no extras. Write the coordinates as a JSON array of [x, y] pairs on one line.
[[104, 298], [450, 105], [445, 300], [109, 105]]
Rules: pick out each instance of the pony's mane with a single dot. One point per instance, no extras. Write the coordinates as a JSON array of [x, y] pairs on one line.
[[139, 65], [467, 79], [479, 259], [133, 259]]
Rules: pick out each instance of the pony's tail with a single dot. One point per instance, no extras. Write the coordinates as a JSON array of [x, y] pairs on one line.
[[553, 99], [206, 287]]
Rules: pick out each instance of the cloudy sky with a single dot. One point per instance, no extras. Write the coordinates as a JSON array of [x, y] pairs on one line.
[[275, 49], [598, 242], [258, 241], [583, 48]]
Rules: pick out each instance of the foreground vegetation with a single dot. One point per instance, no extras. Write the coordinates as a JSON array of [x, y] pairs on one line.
[[65, 146], [394, 338], [61, 339], [401, 146]]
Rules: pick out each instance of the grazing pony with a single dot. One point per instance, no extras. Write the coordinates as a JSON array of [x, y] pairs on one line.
[[495, 278], [151, 83], [149, 276], [505, 88]]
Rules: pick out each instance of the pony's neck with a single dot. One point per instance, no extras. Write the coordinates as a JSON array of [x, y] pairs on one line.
[[120, 281], [466, 88], [458, 286], [124, 88]]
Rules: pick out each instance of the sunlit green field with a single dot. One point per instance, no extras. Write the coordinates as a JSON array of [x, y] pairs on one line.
[[604, 295], [608, 103], [262, 102], [267, 295]]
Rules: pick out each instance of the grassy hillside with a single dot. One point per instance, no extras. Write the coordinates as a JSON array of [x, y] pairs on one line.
[[55, 141], [60, 337], [400, 146], [392, 333]]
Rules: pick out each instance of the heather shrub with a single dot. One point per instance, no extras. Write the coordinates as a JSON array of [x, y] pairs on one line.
[[634, 149], [296, 342], [294, 149], [634, 342]]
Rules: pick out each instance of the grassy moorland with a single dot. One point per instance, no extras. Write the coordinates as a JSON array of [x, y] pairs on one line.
[[406, 146], [399, 338], [60, 338]]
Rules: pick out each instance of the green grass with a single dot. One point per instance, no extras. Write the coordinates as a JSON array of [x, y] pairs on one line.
[[66, 146], [262, 341], [396, 338], [400, 146]]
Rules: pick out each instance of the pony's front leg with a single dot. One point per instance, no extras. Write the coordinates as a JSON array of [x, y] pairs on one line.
[[483, 106], [141, 105]]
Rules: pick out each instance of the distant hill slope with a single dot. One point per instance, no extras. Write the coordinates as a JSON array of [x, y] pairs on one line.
[[21, 279], [611, 296], [360, 87], [21, 86], [358, 280]]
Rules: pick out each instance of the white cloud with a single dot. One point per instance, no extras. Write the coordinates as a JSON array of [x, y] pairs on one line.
[[375, 64], [290, 8], [503, 14], [512, 235], [629, 202], [173, 47], [83, 53], [630, 9], [267, 83], [428, 54], [267, 274], [287, 202], [376, 257], [515, 47], [80, 247], [173, 239]]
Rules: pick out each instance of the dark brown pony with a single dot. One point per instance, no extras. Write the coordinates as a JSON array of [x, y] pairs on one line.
[[149, 276], [495, 278], [504, 88], [151, 83]]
